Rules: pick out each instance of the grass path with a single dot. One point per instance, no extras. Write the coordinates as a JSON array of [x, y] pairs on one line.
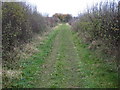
[[64, 62], [72, 65], [60, 68]]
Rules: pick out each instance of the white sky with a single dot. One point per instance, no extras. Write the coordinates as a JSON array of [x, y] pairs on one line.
[[51, 7]]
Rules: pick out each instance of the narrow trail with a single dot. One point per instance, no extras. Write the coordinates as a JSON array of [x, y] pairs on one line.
[[60, 67]]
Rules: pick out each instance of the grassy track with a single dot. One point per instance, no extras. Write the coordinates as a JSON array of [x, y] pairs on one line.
[[64, 62], [60, 69]]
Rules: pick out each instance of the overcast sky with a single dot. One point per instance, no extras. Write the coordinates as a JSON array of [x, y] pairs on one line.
[[73, 7]]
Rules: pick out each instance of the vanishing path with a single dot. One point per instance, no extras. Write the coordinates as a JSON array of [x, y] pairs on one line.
[[64, 62], [60, 67]]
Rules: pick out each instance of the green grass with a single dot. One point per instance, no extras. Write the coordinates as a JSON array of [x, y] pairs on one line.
[[63, 61], [95, 73], [32, 65], [60, 72]]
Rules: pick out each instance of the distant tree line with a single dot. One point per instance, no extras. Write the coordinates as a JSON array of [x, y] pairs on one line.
[[99, 27], [58, 18], [20, 22], [62, 17]]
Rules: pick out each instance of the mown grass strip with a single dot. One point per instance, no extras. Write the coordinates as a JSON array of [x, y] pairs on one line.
[[65, 74]]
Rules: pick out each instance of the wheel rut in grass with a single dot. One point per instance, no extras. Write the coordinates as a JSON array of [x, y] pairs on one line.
[[48, 66], [60, 67]]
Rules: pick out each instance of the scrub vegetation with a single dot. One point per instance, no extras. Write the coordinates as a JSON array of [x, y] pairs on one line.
[[60, 51]]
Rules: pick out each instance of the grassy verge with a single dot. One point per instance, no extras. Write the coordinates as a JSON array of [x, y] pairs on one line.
[[32, 65], [95, 73]]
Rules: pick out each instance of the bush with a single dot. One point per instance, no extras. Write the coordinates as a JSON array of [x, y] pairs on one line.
[[101, 23], [20, 22]]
